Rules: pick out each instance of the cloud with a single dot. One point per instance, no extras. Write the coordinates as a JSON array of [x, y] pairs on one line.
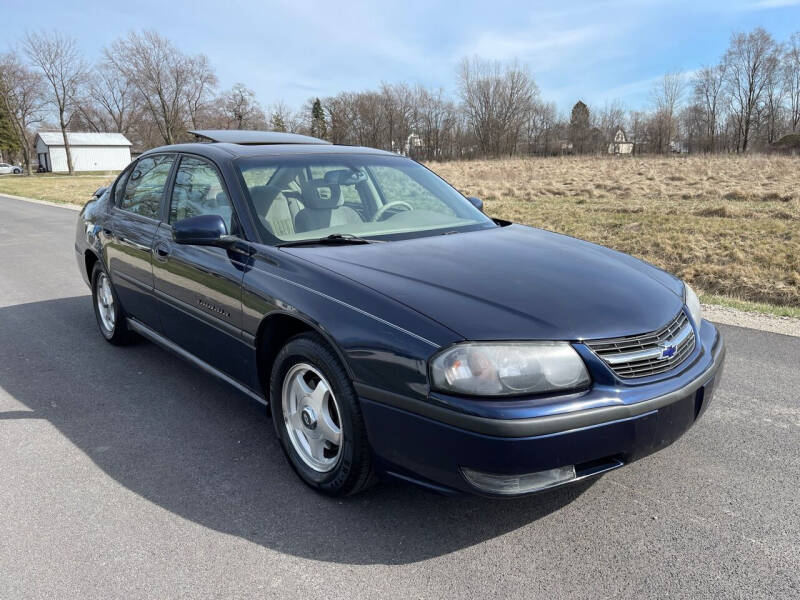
[[767, 4], [524, 45]]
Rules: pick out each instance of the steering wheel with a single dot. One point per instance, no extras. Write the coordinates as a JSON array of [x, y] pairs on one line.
[[382, 210]]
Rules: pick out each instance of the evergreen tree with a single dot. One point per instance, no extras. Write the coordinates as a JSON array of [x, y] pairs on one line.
[[277, 123], [579, 128], [318, 126], [9, 144]]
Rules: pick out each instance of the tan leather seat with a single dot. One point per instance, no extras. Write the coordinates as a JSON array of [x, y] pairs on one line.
[[272, 208]]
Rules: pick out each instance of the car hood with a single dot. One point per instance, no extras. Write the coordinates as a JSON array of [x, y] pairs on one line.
[[512, 283]]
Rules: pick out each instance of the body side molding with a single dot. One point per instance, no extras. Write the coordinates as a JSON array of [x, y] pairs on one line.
[[159, 339]]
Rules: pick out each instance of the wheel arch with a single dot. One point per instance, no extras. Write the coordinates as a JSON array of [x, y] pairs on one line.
[[275, 330], [89, 259]]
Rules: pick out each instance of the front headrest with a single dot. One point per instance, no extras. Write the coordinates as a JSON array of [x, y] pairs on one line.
[[320, 194], [262, 196]]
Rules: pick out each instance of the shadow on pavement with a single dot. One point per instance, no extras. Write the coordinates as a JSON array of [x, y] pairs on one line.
[[197, 448]]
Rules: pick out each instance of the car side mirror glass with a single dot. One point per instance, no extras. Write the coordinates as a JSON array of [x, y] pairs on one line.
[[476, 202], [202, 230]]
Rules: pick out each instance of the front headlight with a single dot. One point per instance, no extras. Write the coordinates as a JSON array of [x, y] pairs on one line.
[[692, 303], [508, 368]]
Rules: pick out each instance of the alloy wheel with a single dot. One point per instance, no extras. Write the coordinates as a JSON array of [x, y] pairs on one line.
[[312, 418], [105, 302]]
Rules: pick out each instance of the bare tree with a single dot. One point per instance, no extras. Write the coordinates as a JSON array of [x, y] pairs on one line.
[[112, 102], [666, 96], [539, 129], [397, 109], [607, 120], [637, 131], [163, 76], [771, 109], [58, 58], [282, 118], [435, 119], [708, 87], [751, 61], [496, 100], [201, 84], [22, 93], [791, 79], [241, 110]]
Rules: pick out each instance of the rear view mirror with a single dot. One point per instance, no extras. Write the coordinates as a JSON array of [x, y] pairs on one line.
[[202, 230], [476, 202]]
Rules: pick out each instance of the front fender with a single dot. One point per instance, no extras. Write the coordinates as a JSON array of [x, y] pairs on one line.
[[384, 343]]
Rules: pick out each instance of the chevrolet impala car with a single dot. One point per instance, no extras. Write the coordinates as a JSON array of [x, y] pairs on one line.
[[391, 327]]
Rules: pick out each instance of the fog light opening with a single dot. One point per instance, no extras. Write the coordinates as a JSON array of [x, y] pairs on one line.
[[510, 485]]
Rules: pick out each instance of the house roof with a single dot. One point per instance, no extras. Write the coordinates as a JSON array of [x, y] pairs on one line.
[[54, 138]]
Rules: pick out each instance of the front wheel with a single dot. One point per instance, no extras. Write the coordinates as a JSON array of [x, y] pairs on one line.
[[107, 309], [17, 171], [318, 418]]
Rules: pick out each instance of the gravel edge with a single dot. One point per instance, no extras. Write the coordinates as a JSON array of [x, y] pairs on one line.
[[45, 202], [752, 320]]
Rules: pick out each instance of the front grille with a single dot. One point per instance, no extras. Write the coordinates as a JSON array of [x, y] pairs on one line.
[[643, 355]]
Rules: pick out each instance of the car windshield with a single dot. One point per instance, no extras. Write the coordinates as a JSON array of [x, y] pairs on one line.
[[370, 196]]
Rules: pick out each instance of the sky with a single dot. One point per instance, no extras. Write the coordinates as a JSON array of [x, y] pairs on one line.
[[597, 51]]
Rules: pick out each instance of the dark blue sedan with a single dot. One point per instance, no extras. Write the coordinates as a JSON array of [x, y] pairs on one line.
[[390, 325]]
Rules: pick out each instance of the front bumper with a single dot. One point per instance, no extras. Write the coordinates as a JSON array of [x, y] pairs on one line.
[[611, 425]]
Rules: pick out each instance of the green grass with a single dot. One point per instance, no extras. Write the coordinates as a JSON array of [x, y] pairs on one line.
[[755, 307]]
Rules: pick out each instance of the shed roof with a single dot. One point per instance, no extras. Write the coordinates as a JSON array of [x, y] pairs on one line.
[[54, 138]]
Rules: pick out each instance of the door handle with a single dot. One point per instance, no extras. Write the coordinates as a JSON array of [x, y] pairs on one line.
[[136, 245], [162, 250]]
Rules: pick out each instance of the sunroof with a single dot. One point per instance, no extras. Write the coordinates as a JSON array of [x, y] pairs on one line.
[[255, 138]]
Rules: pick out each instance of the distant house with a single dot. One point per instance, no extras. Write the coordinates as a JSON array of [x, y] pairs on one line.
[[678, 147], [414, 145], [620, 143], [90, 151]]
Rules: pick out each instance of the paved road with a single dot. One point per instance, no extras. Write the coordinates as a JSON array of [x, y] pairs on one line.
[[126, 473]]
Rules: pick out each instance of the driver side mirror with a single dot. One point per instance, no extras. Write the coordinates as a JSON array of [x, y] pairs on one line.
[[202, 230], [476, 202]]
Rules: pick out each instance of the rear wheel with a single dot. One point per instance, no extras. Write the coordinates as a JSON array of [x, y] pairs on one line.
[[107, 309], [318, 418]]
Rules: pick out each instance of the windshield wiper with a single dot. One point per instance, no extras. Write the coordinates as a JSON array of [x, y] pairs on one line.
[[333, 239]]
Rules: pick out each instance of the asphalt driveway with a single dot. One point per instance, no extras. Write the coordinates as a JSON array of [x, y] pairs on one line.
[[125, 472]]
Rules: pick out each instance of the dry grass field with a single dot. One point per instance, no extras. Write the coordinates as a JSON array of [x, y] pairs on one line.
[[728, 225], [76, 189]]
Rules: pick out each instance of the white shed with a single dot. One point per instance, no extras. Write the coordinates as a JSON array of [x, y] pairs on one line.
[[90, 151]]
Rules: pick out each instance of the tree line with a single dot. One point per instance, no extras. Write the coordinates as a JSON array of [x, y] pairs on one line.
[[146, 88]]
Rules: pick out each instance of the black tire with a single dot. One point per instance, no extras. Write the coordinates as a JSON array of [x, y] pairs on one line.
[[353, 471], [17, 171], [118, 334]]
